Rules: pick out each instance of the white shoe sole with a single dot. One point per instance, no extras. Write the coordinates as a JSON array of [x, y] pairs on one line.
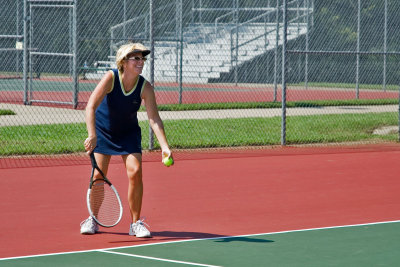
[[87, 233], [140, 236]]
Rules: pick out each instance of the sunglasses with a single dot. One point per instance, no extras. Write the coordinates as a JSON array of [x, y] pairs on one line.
[[137, 58]]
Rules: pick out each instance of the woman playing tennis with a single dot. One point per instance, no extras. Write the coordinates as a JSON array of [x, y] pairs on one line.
[[113, 129]]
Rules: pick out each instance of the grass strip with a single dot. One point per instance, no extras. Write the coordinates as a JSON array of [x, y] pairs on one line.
[[294, 104], [68, 138]]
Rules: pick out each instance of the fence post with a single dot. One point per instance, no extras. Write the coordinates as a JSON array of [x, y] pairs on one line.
[[151, 133], [25, 53], [276, 52], [74, 54], [358, 50], [307, 44], [385, 47], [180, 50], [237, 41], [284, 72]]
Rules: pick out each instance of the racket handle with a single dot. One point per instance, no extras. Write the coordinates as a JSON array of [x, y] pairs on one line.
[[93, 160]]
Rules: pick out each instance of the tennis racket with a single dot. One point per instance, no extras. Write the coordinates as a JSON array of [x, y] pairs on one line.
[[103, 201]]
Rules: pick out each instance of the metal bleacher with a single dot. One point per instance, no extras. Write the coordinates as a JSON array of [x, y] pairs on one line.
[[210, 49], [205, 60]]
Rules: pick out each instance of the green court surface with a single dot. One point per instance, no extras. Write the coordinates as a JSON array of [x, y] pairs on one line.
[[376, 244]]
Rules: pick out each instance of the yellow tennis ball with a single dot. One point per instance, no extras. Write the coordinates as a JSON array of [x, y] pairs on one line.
[[168, 161]]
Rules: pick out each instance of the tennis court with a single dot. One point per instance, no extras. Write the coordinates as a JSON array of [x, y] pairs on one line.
[[290, 206], [60, 89], [304, 205]]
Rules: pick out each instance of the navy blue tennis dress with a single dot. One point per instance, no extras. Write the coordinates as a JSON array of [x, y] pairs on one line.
[[117, 128]]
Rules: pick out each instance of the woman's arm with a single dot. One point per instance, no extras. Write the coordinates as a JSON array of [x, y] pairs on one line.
[[154, 118], [102, 88]]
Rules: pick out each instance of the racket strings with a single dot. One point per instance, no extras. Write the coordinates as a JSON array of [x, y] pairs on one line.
[[104, 203]]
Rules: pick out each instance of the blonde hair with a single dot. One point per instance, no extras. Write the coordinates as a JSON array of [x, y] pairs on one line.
[[126, 49]]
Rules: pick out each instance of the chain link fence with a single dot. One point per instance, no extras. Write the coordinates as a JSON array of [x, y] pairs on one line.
[[226, 73]]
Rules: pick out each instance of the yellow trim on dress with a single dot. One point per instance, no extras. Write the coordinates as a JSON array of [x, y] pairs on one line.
[[122, 85], [143, 85], [112, 86]]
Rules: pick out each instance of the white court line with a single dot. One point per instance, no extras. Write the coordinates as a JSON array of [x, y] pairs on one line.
[[200, 239], [157, 259]]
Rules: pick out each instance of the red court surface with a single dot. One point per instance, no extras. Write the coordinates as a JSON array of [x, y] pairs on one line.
[[215, 194], [211, 94]]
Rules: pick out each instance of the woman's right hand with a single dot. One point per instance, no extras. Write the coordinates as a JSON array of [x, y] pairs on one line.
[[90, 143]]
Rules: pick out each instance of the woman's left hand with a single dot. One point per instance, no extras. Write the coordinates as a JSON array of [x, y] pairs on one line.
[[90, 143]]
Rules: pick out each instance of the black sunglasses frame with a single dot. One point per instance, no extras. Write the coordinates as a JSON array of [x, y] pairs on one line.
[[136, 58]]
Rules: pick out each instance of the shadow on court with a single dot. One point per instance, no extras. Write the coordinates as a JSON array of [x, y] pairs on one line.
[[173, 236]]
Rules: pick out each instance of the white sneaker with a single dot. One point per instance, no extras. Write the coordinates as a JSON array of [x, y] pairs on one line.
[[89, 227], [139, 229]]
